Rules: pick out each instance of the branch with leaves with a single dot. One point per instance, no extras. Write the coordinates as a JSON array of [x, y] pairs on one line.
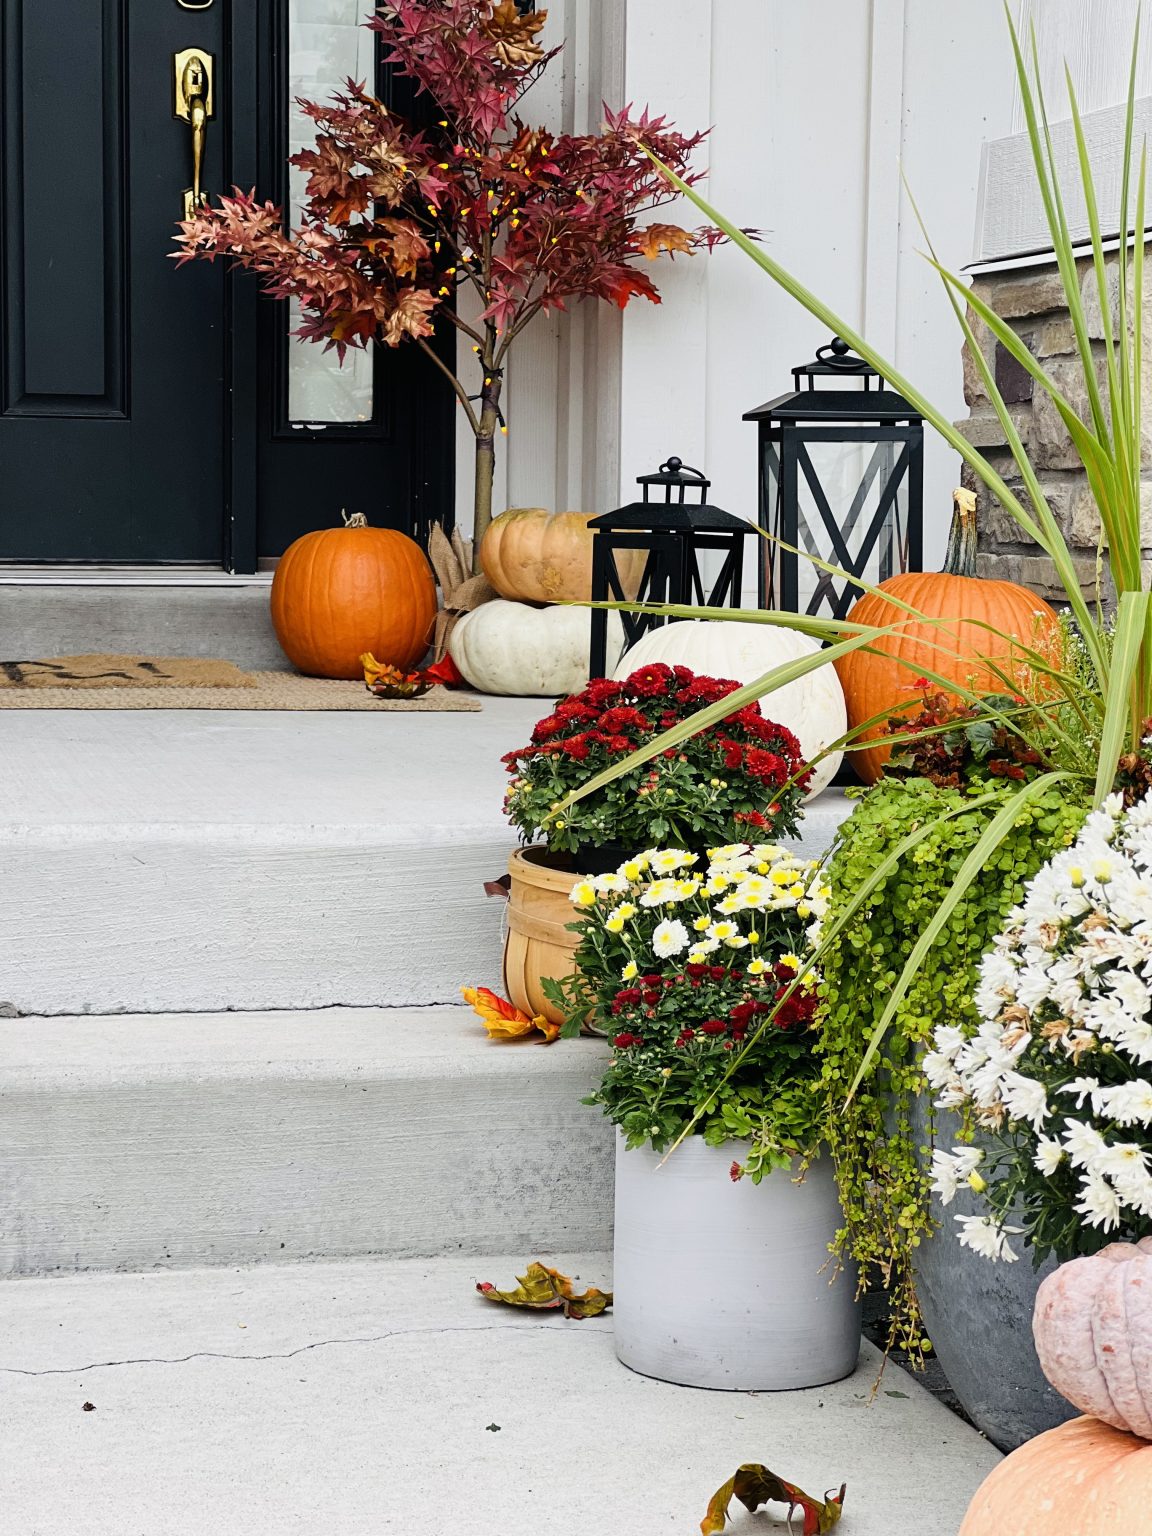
[[401, 219]]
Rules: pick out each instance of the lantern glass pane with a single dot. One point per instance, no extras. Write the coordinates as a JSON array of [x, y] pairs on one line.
[[844, 502]]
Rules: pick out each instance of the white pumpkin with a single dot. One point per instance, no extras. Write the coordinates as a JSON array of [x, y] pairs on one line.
[[812, 707], [529, 652]]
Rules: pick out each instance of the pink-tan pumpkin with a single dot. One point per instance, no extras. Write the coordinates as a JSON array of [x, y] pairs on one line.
[[1093, 1476], [1093, 1330]]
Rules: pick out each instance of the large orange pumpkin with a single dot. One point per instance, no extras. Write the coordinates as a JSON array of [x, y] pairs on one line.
[[533, 556], [342, 591], [1083, 1479], [882, 682]]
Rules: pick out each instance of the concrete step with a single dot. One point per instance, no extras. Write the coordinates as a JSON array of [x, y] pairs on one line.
[[170, 611], [134, 1143], [204, 861], [156, 861], [380, 1397]]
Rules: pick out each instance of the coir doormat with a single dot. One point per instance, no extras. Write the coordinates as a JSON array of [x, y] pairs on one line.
[[113, 671], [164, 682]]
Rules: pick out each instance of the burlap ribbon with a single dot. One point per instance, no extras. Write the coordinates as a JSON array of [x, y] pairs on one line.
[[452, 561]]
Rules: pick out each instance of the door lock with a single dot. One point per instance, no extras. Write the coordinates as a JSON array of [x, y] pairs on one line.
[[193, 70]]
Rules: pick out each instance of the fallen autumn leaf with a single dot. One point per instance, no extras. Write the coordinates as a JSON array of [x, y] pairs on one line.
[[754, 1485], [547, 1290]]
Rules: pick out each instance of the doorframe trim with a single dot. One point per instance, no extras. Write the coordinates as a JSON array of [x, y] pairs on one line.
[[245, 62]]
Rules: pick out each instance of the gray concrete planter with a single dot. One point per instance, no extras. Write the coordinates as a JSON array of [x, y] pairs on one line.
[[978, 1315], [727, 1285]]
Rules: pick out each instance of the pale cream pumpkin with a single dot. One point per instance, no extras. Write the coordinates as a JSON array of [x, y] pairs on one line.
[[812, 707], [1093, 1329], [514, 648], [531, 555]]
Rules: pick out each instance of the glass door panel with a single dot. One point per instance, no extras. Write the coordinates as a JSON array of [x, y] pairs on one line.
[[327, 45]]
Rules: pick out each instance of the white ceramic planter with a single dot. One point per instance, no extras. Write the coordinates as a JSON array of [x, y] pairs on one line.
[[723, 1284]]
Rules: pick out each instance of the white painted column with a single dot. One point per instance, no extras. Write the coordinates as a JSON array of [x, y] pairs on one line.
[[884, 203], [562, 386], [664, 360]]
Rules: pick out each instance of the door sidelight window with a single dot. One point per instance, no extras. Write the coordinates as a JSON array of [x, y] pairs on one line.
[[327, 45]]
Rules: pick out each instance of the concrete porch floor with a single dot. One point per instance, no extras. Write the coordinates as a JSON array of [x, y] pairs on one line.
[[160, 861], [356, 1399]]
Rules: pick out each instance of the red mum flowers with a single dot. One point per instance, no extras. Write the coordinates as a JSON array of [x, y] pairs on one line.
[[707, 791]]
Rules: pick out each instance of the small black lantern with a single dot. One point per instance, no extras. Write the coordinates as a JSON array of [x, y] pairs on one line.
[[842, 478], [673, 532]]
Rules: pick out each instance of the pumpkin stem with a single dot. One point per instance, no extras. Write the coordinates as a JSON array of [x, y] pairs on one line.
[[961, 557], [353, 520]]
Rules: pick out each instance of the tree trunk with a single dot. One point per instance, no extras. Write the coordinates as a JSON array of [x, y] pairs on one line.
[[485, 461]]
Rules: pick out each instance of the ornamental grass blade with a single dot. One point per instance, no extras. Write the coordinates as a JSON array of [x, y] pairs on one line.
[[754, 1485], [1109, 443], [1120, 512], [859, 637], [1128, 640], [814, 625], [986, 845], [1038, 661], [547, 1290]]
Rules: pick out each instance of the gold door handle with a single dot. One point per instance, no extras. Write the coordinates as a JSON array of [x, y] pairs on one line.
[[199, 120], [193, 88]]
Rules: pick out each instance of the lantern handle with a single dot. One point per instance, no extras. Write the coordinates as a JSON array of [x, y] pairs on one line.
[[675, 476], [836, 357], [675, 466]]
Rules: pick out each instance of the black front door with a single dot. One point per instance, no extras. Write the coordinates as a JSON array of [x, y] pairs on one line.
[[151, 414]]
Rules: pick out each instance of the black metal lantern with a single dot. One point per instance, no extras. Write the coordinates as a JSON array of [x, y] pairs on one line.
[[842, 478], [673, 532]]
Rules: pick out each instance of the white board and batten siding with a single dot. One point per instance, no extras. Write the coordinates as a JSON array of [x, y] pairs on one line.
[[814, 109], [1094, 40]]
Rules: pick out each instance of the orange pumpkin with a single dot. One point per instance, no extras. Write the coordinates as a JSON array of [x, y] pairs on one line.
[[533, 556], [1083, 1479], [882, 682], [342, 591]]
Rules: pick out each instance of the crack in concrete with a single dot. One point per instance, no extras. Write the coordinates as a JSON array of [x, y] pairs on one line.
[[291, 1354]]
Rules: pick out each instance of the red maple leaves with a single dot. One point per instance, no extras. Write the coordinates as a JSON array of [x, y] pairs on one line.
[[398, 218]]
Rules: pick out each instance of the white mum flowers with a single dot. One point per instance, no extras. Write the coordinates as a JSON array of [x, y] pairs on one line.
[[670, 938], [1058, 1070]]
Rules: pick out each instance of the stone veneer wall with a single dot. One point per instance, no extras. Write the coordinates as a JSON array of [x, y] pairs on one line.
[[1032, 301]]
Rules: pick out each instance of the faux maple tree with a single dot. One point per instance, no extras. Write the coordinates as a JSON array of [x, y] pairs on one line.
[[400, 218]]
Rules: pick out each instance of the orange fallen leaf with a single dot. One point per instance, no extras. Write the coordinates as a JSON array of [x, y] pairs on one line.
[[388, 682], [547, 1290], [754, 1485], [663, 237], [502, 1021]]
